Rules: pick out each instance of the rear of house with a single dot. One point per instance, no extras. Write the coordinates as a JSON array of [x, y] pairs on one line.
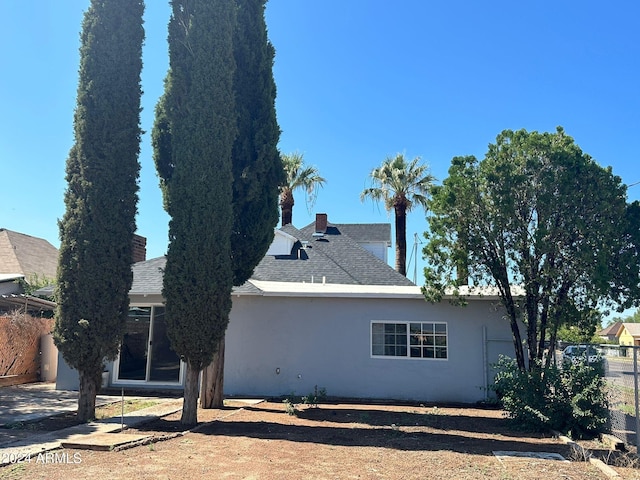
[[322, 310]]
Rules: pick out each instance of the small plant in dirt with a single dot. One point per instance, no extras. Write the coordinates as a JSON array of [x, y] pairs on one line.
[[316, 397], [290, 407], [571, 399]]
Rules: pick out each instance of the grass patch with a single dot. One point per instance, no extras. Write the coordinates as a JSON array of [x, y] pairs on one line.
[[115, 409]]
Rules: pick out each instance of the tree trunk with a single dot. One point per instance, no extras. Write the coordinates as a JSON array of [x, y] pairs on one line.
[[462, 264], [211, 390], [515, 330], [190, 405], [87, 396], [286, 204], [401, 237]]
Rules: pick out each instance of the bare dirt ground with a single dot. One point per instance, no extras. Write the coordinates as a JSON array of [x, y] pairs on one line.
[[333, 441]]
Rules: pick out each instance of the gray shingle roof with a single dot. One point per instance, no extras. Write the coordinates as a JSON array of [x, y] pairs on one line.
[[365, 232], [335, 256], [147, 276]]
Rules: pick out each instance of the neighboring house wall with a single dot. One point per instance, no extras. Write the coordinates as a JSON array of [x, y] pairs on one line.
[[630, 334], [276, 348]]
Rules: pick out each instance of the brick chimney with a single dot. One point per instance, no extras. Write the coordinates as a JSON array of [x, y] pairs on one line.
[[139, 249], [321, 223]]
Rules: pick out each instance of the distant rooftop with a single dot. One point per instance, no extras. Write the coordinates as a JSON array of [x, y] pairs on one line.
[[26, 255]]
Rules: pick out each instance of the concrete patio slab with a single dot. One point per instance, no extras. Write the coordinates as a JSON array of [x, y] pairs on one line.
[[504, 455], [101, 441]]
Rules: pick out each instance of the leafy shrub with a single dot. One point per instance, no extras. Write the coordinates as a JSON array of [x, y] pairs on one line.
[[571, 399]]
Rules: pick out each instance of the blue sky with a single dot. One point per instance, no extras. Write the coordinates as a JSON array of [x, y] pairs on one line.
[[357, 81]]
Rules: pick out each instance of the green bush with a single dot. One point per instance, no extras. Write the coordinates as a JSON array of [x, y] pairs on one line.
[[572, 399]]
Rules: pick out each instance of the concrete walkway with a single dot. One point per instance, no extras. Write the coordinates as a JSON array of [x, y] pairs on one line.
[[33, 401]]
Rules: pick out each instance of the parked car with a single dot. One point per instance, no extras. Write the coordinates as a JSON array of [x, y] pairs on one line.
[[580, 353]]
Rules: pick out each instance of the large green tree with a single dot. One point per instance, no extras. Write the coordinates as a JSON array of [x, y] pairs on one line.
[[298, 175], [400, 185], [194, 136], [538, 213], [96, 231], [256, 165]]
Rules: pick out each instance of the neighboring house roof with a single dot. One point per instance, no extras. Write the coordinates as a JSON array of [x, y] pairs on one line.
[[26, 255], [19, 301], [612, 330], [632, 328]]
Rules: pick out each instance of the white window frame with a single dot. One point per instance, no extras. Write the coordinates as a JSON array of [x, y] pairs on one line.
[[408, 323]]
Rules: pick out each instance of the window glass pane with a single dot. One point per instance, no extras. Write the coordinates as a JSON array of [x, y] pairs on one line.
[[416, 328], [165, 363], [427, 352], [441, 352], [427, 327], [441, 328], [416, 352], [441, 340], [390, 339], [415, 339]]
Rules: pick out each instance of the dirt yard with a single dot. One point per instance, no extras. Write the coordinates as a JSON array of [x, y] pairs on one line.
[[333, 441]]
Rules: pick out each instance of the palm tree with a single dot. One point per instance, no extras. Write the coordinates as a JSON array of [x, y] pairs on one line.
[[298, 176], [400, 185]]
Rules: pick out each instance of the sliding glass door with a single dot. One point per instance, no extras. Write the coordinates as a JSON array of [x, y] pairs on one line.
[[146, 355]]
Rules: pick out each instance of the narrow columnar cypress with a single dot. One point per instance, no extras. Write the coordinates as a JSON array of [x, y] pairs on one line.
[[256, 164], [257, 167], [193, 139], [96, 231]]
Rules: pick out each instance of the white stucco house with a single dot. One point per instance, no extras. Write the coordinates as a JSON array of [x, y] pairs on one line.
[[324, 309]]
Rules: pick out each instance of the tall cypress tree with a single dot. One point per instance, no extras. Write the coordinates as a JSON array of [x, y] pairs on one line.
[[256, 165], [96, 232], [193, 139]]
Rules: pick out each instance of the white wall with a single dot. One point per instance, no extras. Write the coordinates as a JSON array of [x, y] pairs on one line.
[[326, 342], [278, 346]]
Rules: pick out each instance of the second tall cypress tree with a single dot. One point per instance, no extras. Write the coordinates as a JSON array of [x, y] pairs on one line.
[[196, 126], [257, 168]]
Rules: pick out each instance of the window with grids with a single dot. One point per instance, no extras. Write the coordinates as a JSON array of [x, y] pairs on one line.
[[409, 339]]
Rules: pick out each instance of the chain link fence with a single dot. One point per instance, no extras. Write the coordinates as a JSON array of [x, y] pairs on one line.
[[621, 374]]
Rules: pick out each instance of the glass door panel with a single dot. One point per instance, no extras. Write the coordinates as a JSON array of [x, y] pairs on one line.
[[165, 363], [133, 353]]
